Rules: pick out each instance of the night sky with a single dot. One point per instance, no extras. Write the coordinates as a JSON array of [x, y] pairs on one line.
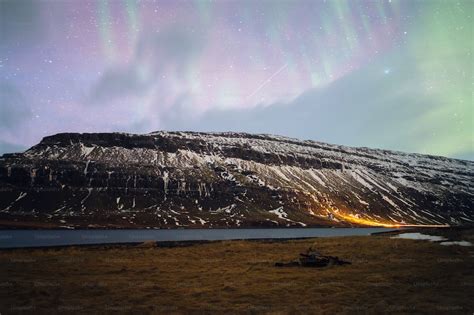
[[383, 74]]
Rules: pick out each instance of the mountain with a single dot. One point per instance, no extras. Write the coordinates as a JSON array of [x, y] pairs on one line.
[[190, 179]]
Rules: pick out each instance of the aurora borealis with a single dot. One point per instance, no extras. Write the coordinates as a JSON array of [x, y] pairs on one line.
[[387, 74]]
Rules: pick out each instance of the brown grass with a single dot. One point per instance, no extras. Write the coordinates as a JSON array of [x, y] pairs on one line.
[[386, 275]]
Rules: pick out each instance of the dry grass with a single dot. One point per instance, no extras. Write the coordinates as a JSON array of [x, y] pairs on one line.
[[386, 275]]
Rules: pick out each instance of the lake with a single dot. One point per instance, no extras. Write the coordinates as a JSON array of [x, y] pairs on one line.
[[38, 238]]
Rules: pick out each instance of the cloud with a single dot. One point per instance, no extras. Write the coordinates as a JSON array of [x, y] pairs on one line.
[[163, 54], [7, 147], [119, 82], [20, 19], [173, 46], [13, 107]]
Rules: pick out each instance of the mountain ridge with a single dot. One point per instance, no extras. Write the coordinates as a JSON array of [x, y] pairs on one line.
[[209, 179], [249, 134]]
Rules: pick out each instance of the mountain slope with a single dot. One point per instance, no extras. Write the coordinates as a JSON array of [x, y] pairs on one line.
[[188, 179]]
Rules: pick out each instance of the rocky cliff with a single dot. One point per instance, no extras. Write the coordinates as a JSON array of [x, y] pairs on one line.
[[189, 179]]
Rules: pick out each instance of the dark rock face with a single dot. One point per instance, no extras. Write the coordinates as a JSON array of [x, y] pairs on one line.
[[187, 179]]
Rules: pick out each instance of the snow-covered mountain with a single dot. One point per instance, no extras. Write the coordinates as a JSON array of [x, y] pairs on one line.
[[190, 179]]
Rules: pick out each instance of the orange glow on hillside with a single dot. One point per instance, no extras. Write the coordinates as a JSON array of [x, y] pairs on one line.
[[368, 222]]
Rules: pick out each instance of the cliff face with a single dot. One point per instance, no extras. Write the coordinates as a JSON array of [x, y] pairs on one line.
[[188, 179]]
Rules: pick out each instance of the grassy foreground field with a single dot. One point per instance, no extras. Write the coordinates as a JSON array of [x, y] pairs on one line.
[[386, 275]]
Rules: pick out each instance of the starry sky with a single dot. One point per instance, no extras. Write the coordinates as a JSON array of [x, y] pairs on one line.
[[392, 74]]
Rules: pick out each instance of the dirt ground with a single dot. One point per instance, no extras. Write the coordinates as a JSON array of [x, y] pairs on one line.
[[386, 275]]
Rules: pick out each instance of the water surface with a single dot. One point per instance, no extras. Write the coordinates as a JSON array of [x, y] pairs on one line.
[[37, 238]]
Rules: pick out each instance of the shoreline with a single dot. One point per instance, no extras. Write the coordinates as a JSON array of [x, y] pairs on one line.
[[454, 234], [12, 239]]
